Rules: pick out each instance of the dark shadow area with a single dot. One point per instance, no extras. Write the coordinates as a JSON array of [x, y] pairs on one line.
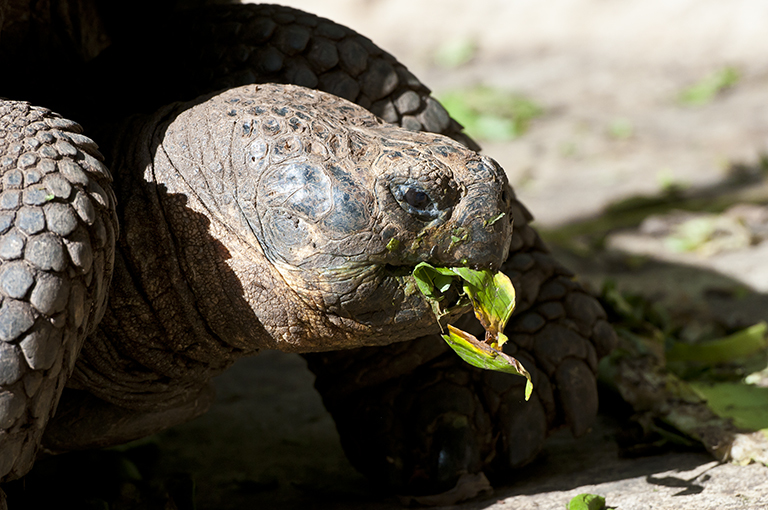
[[688, 486]]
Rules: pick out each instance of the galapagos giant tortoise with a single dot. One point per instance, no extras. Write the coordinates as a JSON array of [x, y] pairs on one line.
[[254, 215]]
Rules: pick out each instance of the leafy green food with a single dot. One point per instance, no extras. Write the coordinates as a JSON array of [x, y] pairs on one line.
[[586, 502], [493, 299], [481, 355]]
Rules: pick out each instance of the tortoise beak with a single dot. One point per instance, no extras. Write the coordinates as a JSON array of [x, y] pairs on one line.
[[481, 230]]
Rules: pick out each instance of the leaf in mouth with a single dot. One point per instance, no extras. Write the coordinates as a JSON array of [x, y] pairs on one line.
[[493, 300]]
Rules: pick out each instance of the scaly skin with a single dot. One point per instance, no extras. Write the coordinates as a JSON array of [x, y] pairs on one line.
[[57, 245], [410, 414]]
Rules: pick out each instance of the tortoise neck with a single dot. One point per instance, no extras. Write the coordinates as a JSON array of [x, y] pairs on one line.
[[173, 319]]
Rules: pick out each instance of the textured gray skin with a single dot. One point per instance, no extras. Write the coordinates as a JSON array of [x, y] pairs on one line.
[[57, 247], [192, 289]]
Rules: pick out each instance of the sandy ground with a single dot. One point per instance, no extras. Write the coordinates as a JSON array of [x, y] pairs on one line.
[[268, 441]]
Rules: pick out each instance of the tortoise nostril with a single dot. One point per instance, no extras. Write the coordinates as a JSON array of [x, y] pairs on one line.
[[505, 196]]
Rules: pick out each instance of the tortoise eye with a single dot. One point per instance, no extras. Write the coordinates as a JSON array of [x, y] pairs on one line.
[[415, 201], [416, 198]]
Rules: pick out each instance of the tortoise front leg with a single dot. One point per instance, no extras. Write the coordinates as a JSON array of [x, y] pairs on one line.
[[414, 416], [58, 233]]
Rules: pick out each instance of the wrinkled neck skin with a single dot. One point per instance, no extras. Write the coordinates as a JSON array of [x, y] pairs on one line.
[[246, 225]]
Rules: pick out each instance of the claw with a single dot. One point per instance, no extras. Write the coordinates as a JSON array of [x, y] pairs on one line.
[[577, 389], [454, 451], [524, 426], [446, 413]]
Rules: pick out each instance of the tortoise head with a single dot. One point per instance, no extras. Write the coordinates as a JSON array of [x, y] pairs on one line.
[[341, 206]]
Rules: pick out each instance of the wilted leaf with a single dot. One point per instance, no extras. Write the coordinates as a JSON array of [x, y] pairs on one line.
[[729, 418], [493, 299], [482, 355]]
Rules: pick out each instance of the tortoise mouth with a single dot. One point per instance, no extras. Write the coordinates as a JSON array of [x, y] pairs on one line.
[[399, 270], [453, 301]]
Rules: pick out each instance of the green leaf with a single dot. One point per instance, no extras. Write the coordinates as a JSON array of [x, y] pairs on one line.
[[586, 502], [493, 299], [739, 345], [443, 282], [747, 405], [429, 278]]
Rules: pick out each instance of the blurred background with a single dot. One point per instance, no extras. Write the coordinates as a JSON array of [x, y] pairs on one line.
[[624, 97]]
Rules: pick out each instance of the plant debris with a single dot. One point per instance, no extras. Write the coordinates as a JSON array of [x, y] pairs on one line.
[[694, 390]]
